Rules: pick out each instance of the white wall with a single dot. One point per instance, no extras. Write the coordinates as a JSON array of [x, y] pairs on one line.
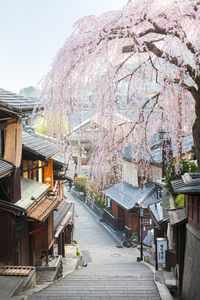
[[130, 173]]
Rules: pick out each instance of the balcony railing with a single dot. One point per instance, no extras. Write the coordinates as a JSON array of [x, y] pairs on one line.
[[113, 222]]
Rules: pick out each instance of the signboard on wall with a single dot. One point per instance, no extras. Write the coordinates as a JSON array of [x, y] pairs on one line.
[[161, 246]]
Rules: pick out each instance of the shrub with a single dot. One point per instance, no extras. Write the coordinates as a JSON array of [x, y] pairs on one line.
[[99, 201], [180, 201], [80, 183]]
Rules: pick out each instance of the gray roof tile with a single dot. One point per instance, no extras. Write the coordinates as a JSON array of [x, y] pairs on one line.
[[31, 190], [40, 147], [189, 183], [156, 152], [60, 214], [127, 196], [16, 103]]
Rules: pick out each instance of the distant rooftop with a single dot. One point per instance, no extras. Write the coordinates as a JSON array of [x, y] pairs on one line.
[[128, 196], [156, 148], [17, 103]]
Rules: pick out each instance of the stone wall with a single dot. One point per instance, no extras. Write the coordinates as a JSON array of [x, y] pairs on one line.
[[191, 275]]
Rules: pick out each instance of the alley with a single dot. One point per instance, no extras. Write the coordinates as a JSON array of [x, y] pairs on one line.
[[111, 272]]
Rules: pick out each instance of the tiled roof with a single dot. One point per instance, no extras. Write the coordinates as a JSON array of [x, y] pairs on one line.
[[16, 103], [156, 152], [31, 190], [39, 147], [43, 207], [127, 196], [5, 167], [189, 190], [60, 214], [189, 183], [62, 217]]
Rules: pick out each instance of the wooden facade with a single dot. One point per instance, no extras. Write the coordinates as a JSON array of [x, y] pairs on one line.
[[192, 207], [6, 222], [15, 246], [43, 240]]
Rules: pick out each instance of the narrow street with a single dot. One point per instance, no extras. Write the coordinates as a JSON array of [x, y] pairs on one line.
[[111, 272]]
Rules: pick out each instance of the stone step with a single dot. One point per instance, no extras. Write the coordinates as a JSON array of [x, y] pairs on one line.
[[97, 296]]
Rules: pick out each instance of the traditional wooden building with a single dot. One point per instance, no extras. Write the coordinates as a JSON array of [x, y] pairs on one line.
[[175, 256], [124, 200], [43, 162], [189, 185], [13, 110], [27, 202], [123, 210]]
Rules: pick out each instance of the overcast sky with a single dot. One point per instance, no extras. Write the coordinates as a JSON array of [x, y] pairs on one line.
[[32, 31]]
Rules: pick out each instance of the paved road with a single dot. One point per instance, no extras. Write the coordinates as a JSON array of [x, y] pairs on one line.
[[112, 273]]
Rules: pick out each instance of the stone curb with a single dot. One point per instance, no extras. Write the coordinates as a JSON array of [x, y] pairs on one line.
[[112, 234], [162, 288]]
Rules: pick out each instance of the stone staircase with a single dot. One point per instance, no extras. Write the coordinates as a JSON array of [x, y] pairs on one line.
[[93, 283]]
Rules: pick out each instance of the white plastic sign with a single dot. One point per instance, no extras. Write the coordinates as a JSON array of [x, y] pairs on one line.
[[162, 246]]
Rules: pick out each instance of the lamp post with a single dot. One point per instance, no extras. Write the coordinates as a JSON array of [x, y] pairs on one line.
[[162, 133], [141, 241]]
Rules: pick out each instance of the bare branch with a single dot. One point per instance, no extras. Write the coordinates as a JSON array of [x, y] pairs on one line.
[[139, 121], [124, 62], [149, 46]]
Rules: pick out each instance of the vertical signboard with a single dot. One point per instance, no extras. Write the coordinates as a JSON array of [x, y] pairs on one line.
[[161, 247]]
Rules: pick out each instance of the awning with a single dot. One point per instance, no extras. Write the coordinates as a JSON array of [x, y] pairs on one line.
[[31, 191], [62, 217], [63, 223], [177, 216], [43, 207]]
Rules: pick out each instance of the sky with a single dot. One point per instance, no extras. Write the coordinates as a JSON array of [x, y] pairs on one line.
[[32, 31]]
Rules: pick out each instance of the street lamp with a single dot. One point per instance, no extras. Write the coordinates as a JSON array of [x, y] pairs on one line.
[[161, 134], [141, 242]]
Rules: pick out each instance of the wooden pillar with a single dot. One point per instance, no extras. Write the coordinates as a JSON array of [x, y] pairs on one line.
[[63, 244], [59, 245], [47, 258]]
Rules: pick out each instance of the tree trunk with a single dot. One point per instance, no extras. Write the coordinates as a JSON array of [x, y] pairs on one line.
[[196, 129]]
